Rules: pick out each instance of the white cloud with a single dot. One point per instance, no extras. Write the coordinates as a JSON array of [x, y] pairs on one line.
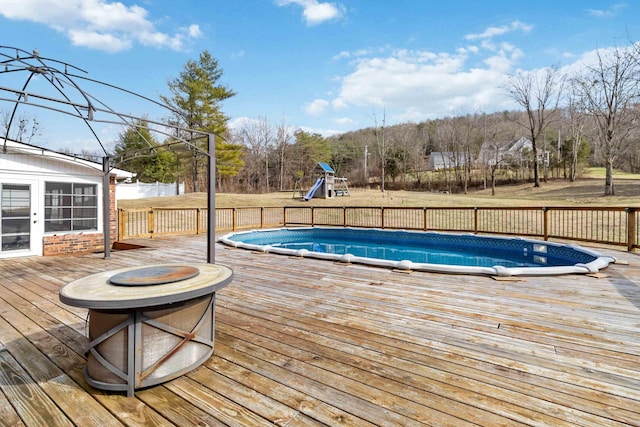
[[316, 107], [239, 54], [323, 132], [417, 85], [612, 11], [342, 55], [98, 24], [194, 31], [316, 12], [344, 120], [243, 122], [414, 85], [491, 32], [339, 104], [94, 40]]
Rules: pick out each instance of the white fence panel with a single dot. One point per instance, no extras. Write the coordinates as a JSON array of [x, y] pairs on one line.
[[142, 190]]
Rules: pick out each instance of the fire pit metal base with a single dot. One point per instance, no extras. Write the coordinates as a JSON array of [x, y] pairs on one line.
[[144, 335]]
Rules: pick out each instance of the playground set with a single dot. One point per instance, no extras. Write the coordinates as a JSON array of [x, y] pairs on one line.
[[326, 185]]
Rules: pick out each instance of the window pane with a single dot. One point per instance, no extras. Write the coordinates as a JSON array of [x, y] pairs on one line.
[[85, 224], [15, 201], [15, 225], [58, 187], [80, 213], [71, 206], [14, 243], [57, 213], [84, 201], [57, 225], [85, 189], [57, 200]]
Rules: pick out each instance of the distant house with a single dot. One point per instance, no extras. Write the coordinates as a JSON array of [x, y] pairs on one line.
[[439, 160], [52, 203], [516, 151]]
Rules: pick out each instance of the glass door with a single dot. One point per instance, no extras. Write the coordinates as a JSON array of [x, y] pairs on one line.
[[15, 217]]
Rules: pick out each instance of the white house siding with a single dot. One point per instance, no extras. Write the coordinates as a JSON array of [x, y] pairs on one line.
[[24, 164], [439, 160]]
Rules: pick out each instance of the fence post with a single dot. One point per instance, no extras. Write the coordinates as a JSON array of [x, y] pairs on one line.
[[121, 224], [382, 216], [150, 222], [233, 219], [545, 223], [262, 217], [631, 228], [344, 216], [313, 216], [475, 220], [424, 218], [198, 217], [284, 216]]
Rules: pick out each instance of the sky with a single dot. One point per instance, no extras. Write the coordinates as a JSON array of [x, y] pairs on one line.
[[322, 66]]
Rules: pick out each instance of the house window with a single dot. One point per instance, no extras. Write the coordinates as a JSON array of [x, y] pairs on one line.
[[70, 207]]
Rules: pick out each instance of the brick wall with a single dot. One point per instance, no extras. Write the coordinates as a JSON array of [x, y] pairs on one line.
[[68, 244], [83, 242]]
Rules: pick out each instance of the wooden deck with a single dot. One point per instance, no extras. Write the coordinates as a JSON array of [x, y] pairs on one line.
[[309, 342]]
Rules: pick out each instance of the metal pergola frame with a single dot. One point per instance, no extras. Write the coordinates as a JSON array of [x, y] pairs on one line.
[[63, 78]]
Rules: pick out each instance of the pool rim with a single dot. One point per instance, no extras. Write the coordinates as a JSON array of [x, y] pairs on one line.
[[601, 261]]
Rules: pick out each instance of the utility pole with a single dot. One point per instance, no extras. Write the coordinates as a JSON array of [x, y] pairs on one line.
[[366, 155]]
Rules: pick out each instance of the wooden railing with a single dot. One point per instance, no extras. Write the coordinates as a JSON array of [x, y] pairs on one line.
[[616, 226]]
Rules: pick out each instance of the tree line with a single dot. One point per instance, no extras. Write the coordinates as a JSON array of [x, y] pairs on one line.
[[589, 117]]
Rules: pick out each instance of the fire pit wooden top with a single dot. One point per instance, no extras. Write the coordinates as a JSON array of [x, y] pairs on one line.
[[148, 286]]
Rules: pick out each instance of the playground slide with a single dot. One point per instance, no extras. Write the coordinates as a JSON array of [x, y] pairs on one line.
[[313, 189]]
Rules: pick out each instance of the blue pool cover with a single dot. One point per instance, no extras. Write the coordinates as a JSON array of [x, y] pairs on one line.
[[427, 251]]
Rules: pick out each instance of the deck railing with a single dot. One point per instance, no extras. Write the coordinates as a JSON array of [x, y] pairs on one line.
[[616, 226]]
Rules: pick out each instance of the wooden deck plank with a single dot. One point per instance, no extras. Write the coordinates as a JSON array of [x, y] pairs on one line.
[[8, 415], [477, 342], [430, 369], [61, 389], [359, 343], [263, 405], [313, 382], [385, 380], [217, 405], [310, 342], [176, 408], [69, 361], [266, 379], [30, 401]]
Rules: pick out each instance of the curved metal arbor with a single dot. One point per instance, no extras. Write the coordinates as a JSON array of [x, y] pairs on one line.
[[70, 99]]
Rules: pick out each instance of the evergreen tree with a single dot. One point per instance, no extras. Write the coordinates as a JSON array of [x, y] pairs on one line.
[[140, 153], [310, 148], [196, 97]]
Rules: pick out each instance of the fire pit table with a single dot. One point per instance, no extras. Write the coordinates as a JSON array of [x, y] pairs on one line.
[[147, 325]]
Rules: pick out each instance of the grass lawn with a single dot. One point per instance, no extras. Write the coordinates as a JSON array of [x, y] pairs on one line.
[[588, 191]]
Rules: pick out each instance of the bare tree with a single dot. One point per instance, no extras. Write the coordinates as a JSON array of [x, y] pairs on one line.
[[538, 92], [575, 119], [494, 146], [383, 146], [609, 90], [283, 140], [23, 131], [404, 137], [468, 144], [257, 137]]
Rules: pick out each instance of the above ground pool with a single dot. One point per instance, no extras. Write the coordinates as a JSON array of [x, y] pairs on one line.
[[426, 251]]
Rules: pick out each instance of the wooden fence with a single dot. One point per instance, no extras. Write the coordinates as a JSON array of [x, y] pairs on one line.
[[616, 226]]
